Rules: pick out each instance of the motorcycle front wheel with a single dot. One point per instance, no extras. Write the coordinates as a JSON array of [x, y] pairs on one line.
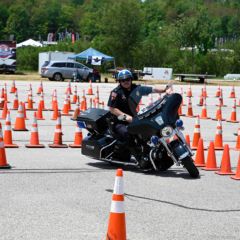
[[187, 162]]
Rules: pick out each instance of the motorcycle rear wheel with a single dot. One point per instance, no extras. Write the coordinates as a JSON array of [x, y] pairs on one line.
[[187, 162]]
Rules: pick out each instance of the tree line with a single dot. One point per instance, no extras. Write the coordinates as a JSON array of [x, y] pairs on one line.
[[188, 35]]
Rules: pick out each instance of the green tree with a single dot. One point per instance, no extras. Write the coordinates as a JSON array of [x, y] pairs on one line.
[[3, 19], [122, 25], [18, 23], [195, 32]]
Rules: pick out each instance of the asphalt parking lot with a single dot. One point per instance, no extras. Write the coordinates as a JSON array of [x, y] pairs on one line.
[[59, 194]]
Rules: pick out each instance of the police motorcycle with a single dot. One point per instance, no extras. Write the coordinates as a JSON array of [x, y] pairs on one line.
[[156, 138]]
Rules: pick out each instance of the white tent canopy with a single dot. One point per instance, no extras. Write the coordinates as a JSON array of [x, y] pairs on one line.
[[30, 42]]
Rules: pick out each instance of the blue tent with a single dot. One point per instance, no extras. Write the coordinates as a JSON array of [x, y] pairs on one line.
[[90, 52]]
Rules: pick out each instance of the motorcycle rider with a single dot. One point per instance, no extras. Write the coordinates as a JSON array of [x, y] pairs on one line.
[[124, 99]]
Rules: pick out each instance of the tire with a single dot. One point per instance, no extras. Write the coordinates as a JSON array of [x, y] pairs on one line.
[[191, 168], [89, 77], [58, 77]]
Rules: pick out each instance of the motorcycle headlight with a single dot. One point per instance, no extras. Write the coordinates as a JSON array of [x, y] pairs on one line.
[[167, 131]]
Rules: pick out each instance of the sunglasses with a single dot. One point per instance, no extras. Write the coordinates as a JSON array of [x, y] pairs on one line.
[[125, 80]]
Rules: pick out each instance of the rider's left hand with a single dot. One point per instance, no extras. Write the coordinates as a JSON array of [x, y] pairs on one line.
[[129, 118], [168, 88]]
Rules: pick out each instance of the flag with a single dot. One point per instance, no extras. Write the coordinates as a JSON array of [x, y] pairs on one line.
[[96, 60]]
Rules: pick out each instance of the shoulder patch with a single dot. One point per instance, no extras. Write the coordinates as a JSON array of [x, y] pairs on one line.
[[113, 95]]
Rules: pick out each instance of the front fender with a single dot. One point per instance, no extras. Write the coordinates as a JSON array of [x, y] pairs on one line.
[[179, 150]]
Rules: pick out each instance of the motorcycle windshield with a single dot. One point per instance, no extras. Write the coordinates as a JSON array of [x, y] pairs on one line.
[[166, 107], [134, 100]]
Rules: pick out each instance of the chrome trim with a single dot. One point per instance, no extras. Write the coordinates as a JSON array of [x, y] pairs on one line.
[[106, 147], [119, 162], [183, 156], [170, 154], [181, 136], [150, 156]]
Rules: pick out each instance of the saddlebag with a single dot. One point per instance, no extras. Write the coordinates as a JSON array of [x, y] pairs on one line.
[[97, 146], [94, 119]]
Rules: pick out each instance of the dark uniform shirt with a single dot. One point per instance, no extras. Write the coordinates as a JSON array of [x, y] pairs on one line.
[[127, 101]]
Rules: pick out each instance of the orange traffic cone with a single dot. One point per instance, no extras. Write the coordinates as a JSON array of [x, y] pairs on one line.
[[15, 101], [5, 93], [204, 114], [200, 101], [83, 106], [187, 138], [69, 89], [218, 143], [65, 110], [219, 115], [232, 93], [8, 133], [54, 99], [77, 139], [90, 90], [218, 92], [200, 159], [20, 121], [211, 164], [77, 111], [74, 100], [40, 88], [238, 141], [30, 93], [196, 134], [190, 110], [225, 168], [233, 117], [42, 102], [30, 102], [180, 113], [2, 100], [97, 95], [116, 224], [34, 139], [39, 114], [204, 91], [237, 175], [57, 141], [220, 100], [69, 102], [55, 112], [189, 91], [13, 88], [3, 159], [4, 111]]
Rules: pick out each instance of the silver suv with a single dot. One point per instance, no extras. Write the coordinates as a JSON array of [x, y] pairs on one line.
[[59, 70]]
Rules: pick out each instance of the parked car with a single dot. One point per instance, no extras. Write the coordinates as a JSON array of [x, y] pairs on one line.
[[60, 70]]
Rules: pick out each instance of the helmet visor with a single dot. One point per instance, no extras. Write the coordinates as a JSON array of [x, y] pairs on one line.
[[125, 80]]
